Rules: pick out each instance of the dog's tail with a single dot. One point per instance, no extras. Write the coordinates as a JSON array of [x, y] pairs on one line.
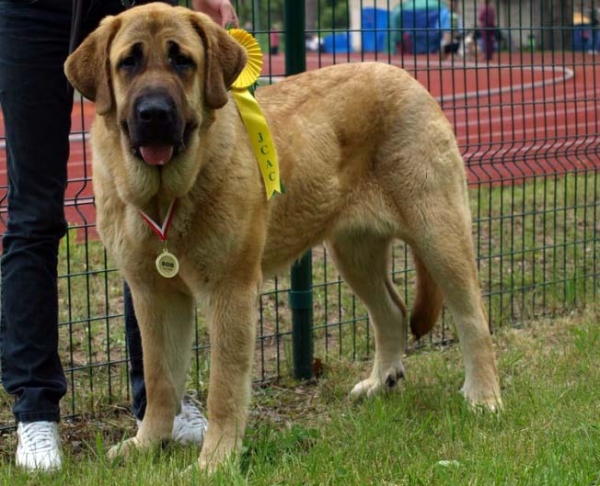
[[429, 301]]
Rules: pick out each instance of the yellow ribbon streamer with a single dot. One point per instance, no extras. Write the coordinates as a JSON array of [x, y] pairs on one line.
[[252, 116], [260, 139]]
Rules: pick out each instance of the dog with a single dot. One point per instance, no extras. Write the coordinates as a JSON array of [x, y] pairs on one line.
[[469, 49], [366, 156]]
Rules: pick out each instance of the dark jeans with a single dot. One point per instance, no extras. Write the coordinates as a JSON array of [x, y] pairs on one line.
[[36, 103], [136, 365], [488, 39]]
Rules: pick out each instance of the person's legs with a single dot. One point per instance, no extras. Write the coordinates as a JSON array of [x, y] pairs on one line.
[[134, 348], [36, 104], [488, 45]]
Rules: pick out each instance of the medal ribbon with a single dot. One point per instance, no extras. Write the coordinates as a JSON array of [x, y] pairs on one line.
[[252, 116], [161, 231]]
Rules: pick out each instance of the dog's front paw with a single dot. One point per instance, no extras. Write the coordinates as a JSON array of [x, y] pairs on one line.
[[124, 449], [218, 450], [483, 398], [379, 382]]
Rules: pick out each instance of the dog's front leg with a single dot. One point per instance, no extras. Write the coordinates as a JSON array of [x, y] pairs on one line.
[[232, 319], [166, 321]]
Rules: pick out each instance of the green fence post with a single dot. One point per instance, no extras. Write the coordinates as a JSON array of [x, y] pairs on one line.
[[295, 47], [301, 305], [301, 285]]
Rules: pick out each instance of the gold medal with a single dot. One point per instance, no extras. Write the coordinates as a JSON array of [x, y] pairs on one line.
[[167, 264]]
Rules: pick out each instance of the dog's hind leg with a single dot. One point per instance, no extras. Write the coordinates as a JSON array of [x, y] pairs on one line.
[[441, 238], [362, 260]]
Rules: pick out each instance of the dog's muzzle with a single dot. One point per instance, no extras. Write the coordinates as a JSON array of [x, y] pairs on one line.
[[155, 127]]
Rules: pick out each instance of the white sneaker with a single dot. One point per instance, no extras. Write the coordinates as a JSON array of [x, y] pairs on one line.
[[189, 425], [39, 446]]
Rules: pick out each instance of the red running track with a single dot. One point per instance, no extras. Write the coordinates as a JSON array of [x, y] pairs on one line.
[[516, 118]]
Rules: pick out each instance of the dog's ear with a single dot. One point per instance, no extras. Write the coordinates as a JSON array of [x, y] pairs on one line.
[[224, 60], [88, 68]]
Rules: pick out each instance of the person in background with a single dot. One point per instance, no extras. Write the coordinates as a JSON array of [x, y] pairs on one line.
[[36, 101], [486, 20], [274, 40], [594, 22]]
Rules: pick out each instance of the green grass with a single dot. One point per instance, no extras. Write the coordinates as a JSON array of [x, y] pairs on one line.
[[537, 245], [309, 434], [537, 255]]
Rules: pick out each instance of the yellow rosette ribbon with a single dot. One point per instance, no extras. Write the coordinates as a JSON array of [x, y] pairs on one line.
[[252, 115]]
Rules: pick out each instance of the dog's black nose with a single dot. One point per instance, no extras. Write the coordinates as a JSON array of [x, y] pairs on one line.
[[155, 120], [155, 110]]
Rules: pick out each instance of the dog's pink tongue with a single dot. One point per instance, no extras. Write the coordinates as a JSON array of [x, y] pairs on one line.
[[157, 155]]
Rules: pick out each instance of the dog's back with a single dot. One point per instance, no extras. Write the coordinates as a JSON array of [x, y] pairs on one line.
[[355, 142], [362, 148]]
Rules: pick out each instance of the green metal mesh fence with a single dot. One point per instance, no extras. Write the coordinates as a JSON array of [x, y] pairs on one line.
[[527, 124]]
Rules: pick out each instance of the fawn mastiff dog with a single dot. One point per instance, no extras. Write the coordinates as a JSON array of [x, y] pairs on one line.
[[366, 156]]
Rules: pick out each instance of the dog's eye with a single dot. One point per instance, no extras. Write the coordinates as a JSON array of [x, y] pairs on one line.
[[128, 62], [133, 59], [179, 61]]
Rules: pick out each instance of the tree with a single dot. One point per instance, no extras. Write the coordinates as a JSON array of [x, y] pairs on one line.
[[311, 15], [557, 24], [334, 14], [261, 14]]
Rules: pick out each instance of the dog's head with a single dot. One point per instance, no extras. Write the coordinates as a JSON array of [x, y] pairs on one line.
[[157, 72]]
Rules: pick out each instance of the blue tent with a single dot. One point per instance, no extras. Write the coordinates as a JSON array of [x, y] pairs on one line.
[[374, 29], [421, 24], [337, 43]]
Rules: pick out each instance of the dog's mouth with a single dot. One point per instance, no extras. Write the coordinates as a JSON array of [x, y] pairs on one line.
[[155, 155], [158, 151], [156, 128]]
